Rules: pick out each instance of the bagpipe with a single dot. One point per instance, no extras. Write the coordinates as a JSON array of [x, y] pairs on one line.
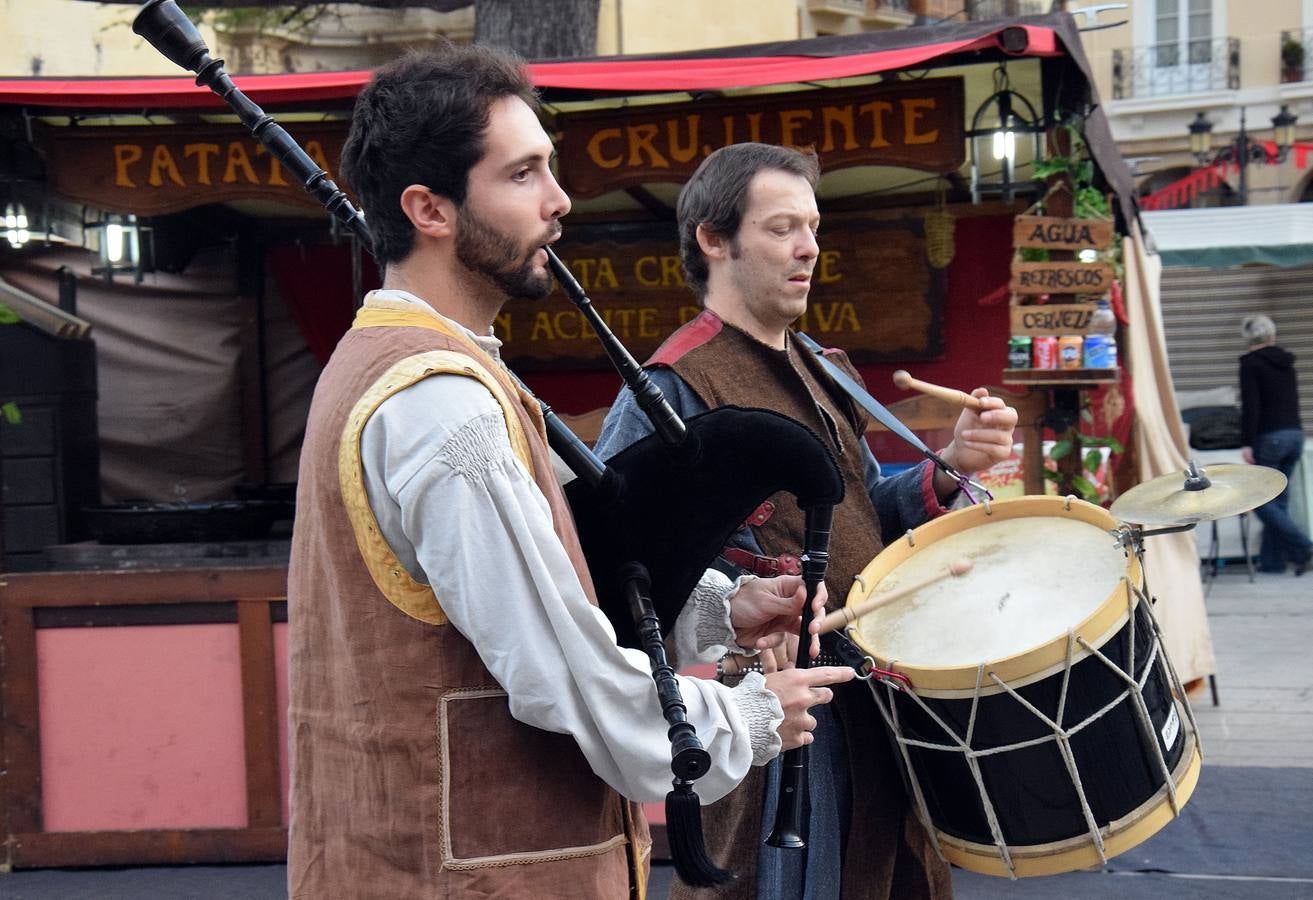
[[651, 519]]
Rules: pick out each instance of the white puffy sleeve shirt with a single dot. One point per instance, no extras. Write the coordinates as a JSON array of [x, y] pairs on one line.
[[464, 515]]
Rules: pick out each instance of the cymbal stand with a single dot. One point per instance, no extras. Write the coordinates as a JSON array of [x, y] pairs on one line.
[[1130, 537]]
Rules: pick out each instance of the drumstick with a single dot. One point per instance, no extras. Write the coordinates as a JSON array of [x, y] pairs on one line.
[[949, 395], [841, 617]]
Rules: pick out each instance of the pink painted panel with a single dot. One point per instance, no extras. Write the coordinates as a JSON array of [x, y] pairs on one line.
[[141, 727], [656, 812], [280, 707]]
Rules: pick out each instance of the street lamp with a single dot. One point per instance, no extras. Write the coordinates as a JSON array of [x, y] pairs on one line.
[[1201, 136], [1283, 123], [1242, 151]]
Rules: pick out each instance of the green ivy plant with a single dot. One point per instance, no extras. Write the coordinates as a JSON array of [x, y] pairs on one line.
[[1080, 485], [1088, 202], [1073, 441], [9, 409]]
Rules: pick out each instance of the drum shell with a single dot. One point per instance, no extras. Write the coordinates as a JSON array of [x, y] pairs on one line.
[[1031, 789]]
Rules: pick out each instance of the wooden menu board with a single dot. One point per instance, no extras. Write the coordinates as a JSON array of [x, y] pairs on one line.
[[1060, 278], [1052, 318], [873, 294], [1055, 233]]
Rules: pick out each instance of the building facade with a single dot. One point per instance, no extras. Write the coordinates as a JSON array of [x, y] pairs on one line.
[[1228, 221], [1173, 60]]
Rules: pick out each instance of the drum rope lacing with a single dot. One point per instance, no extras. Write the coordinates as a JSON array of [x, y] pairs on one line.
[[1142, 593], [1061, 736]]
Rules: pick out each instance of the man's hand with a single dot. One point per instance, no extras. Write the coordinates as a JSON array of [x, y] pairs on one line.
[[1247, 454], [799, 690], [764, 611], [783, 655], [980, 439]]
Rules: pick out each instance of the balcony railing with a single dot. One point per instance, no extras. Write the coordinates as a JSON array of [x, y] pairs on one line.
[[977, 10], [859, 7], [1294, 55], [1179, 67]]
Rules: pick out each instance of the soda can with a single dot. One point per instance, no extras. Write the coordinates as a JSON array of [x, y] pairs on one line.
[[1045, 351], [1019, 352], [1100, 352], [1069, 351]]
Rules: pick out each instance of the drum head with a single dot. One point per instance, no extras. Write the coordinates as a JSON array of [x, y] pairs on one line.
[[1040, 567]]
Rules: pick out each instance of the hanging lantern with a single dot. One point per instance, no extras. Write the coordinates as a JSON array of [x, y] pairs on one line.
[[1005, 130], [16, 230], [125, 246]]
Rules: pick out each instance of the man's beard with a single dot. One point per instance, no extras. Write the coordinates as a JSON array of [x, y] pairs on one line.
[[483, 249]]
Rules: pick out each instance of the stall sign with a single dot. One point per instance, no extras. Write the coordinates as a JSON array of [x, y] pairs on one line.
[[873, 295], [916, 124], [156, 170], [1060, 278], [1053, 233], [1052, 318]]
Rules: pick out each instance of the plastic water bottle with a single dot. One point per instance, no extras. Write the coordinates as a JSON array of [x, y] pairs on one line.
[[1100, 338]]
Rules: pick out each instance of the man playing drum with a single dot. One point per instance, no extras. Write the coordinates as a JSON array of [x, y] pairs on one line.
[[747, 224], [461, 719]]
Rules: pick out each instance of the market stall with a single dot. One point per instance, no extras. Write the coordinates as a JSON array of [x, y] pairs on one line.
[[209, 345]]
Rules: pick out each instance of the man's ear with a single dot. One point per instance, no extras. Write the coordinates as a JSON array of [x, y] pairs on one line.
[[713, 245], [431, 214]]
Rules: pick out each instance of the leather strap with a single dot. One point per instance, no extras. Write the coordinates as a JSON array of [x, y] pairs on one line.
[[763, 566], [870, 404], [761, 515]]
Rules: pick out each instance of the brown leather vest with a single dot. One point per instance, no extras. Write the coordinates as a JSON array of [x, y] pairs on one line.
[[731, 369], [888, 855], [410, 778]]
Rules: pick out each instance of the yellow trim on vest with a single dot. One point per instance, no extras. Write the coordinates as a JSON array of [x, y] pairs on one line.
[[406, 316], [392, 317], [411, 597], [638, 867]]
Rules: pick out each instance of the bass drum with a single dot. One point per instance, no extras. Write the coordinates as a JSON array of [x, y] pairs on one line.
[[1040, 724]]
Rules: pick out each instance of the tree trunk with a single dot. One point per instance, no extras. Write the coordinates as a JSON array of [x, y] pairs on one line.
[[538, 29]]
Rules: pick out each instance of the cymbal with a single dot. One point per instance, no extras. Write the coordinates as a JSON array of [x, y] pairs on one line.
[[1232, 488]]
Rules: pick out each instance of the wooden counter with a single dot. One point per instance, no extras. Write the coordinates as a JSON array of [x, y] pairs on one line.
[[141, 717]]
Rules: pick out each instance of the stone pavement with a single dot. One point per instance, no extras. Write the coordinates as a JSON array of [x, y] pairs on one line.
[[1263, 638], [1262, 733]]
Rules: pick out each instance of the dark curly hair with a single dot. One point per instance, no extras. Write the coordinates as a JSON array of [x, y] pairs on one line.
[[717, 194], [421, 120]]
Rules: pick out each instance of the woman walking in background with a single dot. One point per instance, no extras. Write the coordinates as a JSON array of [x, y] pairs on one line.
[[1273, 436]]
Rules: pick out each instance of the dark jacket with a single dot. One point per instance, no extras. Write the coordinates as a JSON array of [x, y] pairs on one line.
[[1269, 397]]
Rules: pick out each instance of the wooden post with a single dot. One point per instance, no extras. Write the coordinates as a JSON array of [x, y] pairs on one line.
[[1061, 203]]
